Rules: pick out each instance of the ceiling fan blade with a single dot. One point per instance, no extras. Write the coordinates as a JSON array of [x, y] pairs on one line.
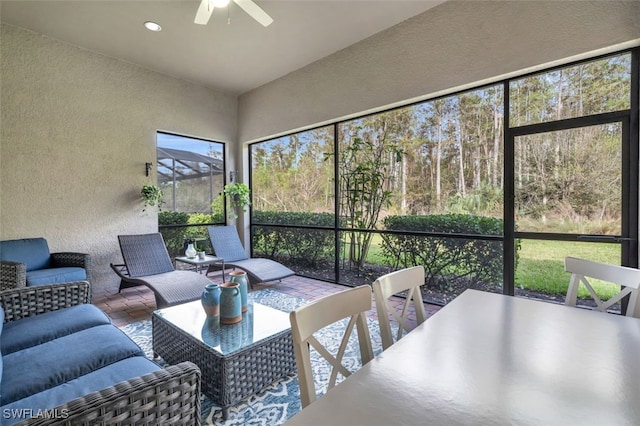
[[255, 11], [204, 12]]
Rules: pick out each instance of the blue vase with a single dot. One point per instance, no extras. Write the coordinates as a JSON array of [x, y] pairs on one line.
[[211, 300], [240, 277], [230, 303]]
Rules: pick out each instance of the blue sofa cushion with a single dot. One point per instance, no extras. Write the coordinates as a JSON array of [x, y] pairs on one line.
[[90, 382], [1, 324], [50, 364], [38, 329], [56, 275], [34, 252]]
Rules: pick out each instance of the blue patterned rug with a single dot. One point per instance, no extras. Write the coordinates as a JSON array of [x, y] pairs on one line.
[[280, 401]]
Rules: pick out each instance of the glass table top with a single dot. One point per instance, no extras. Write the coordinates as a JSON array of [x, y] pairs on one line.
[[197, 261], [258, 323]]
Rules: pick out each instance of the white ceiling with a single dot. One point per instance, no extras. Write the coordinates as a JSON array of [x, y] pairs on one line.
[[235, 57]]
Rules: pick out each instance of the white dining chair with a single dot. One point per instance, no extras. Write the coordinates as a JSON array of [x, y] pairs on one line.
[[582, 270], [409, 279], [308, 319]]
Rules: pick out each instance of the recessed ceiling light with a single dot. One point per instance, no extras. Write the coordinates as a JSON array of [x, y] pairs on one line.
[[152, 26]]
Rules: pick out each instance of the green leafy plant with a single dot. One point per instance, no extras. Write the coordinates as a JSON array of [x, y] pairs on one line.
[[445, 258], [238, 196], [303, 246], [152, 196], [365, 171]]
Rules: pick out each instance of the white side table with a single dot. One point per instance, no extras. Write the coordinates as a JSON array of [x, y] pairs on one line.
[[199, 263]]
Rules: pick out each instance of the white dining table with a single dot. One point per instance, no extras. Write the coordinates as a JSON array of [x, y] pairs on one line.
[[490, 359]]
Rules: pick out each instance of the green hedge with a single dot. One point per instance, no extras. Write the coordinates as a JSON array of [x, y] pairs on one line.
[[299, 245], [174, 237], [445, 257]]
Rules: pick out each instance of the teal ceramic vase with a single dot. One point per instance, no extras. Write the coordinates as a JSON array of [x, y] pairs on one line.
[[230, 303], [211, 300], [240, 277]]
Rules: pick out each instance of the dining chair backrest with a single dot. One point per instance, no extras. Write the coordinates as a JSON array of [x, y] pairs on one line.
[[313, 317], [409, 280], [582, 270]]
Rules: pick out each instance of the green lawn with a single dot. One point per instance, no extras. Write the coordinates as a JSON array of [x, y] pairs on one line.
[[541, 265]]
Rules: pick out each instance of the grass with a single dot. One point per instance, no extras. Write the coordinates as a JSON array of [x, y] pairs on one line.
[[541, 265], [374, 255]]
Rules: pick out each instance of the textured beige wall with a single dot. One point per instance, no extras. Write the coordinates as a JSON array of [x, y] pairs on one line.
[[76, 129], [452, 45]]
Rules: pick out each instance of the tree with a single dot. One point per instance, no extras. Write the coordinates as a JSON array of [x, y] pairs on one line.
[[366, 164]]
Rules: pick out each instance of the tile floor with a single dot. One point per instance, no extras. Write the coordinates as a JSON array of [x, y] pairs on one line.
[[136, 304]]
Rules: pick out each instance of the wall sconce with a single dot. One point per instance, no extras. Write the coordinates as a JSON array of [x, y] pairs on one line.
[[232, 176], [147, 167]]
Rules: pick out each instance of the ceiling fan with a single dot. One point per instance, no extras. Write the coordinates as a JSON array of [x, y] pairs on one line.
[[206, 9]]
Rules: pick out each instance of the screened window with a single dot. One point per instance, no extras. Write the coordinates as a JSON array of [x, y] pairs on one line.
[[290, 174], [190, 173], [448, 185], [586, 89]]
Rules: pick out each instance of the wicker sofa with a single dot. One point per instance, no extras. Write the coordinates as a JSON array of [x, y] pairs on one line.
[[64, 363], [28, 262]]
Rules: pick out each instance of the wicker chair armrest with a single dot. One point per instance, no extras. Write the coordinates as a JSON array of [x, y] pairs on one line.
[[61, 259], [12, 275], [168, 396], [71, 259], [29, 301]]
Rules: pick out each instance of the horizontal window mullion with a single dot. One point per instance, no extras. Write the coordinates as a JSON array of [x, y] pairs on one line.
[[570, 123]]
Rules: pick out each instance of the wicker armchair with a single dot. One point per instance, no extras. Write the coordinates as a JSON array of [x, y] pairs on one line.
[[13, 271], [167, 396]]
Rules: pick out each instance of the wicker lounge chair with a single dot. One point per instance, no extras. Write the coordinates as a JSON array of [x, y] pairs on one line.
[[226, 244], [147, 262]]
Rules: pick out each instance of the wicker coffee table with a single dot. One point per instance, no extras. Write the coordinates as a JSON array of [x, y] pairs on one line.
[[236, 360]]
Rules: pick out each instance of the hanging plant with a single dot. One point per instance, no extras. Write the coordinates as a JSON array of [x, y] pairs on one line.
[[238, 196], [152, 196]]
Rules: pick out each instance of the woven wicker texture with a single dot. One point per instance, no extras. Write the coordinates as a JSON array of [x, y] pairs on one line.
[[145, 254], [176, 287], [12, 275], [226, 244], [71, 259], [170, 287], [227, 379], [166, 397], [29, 301]]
